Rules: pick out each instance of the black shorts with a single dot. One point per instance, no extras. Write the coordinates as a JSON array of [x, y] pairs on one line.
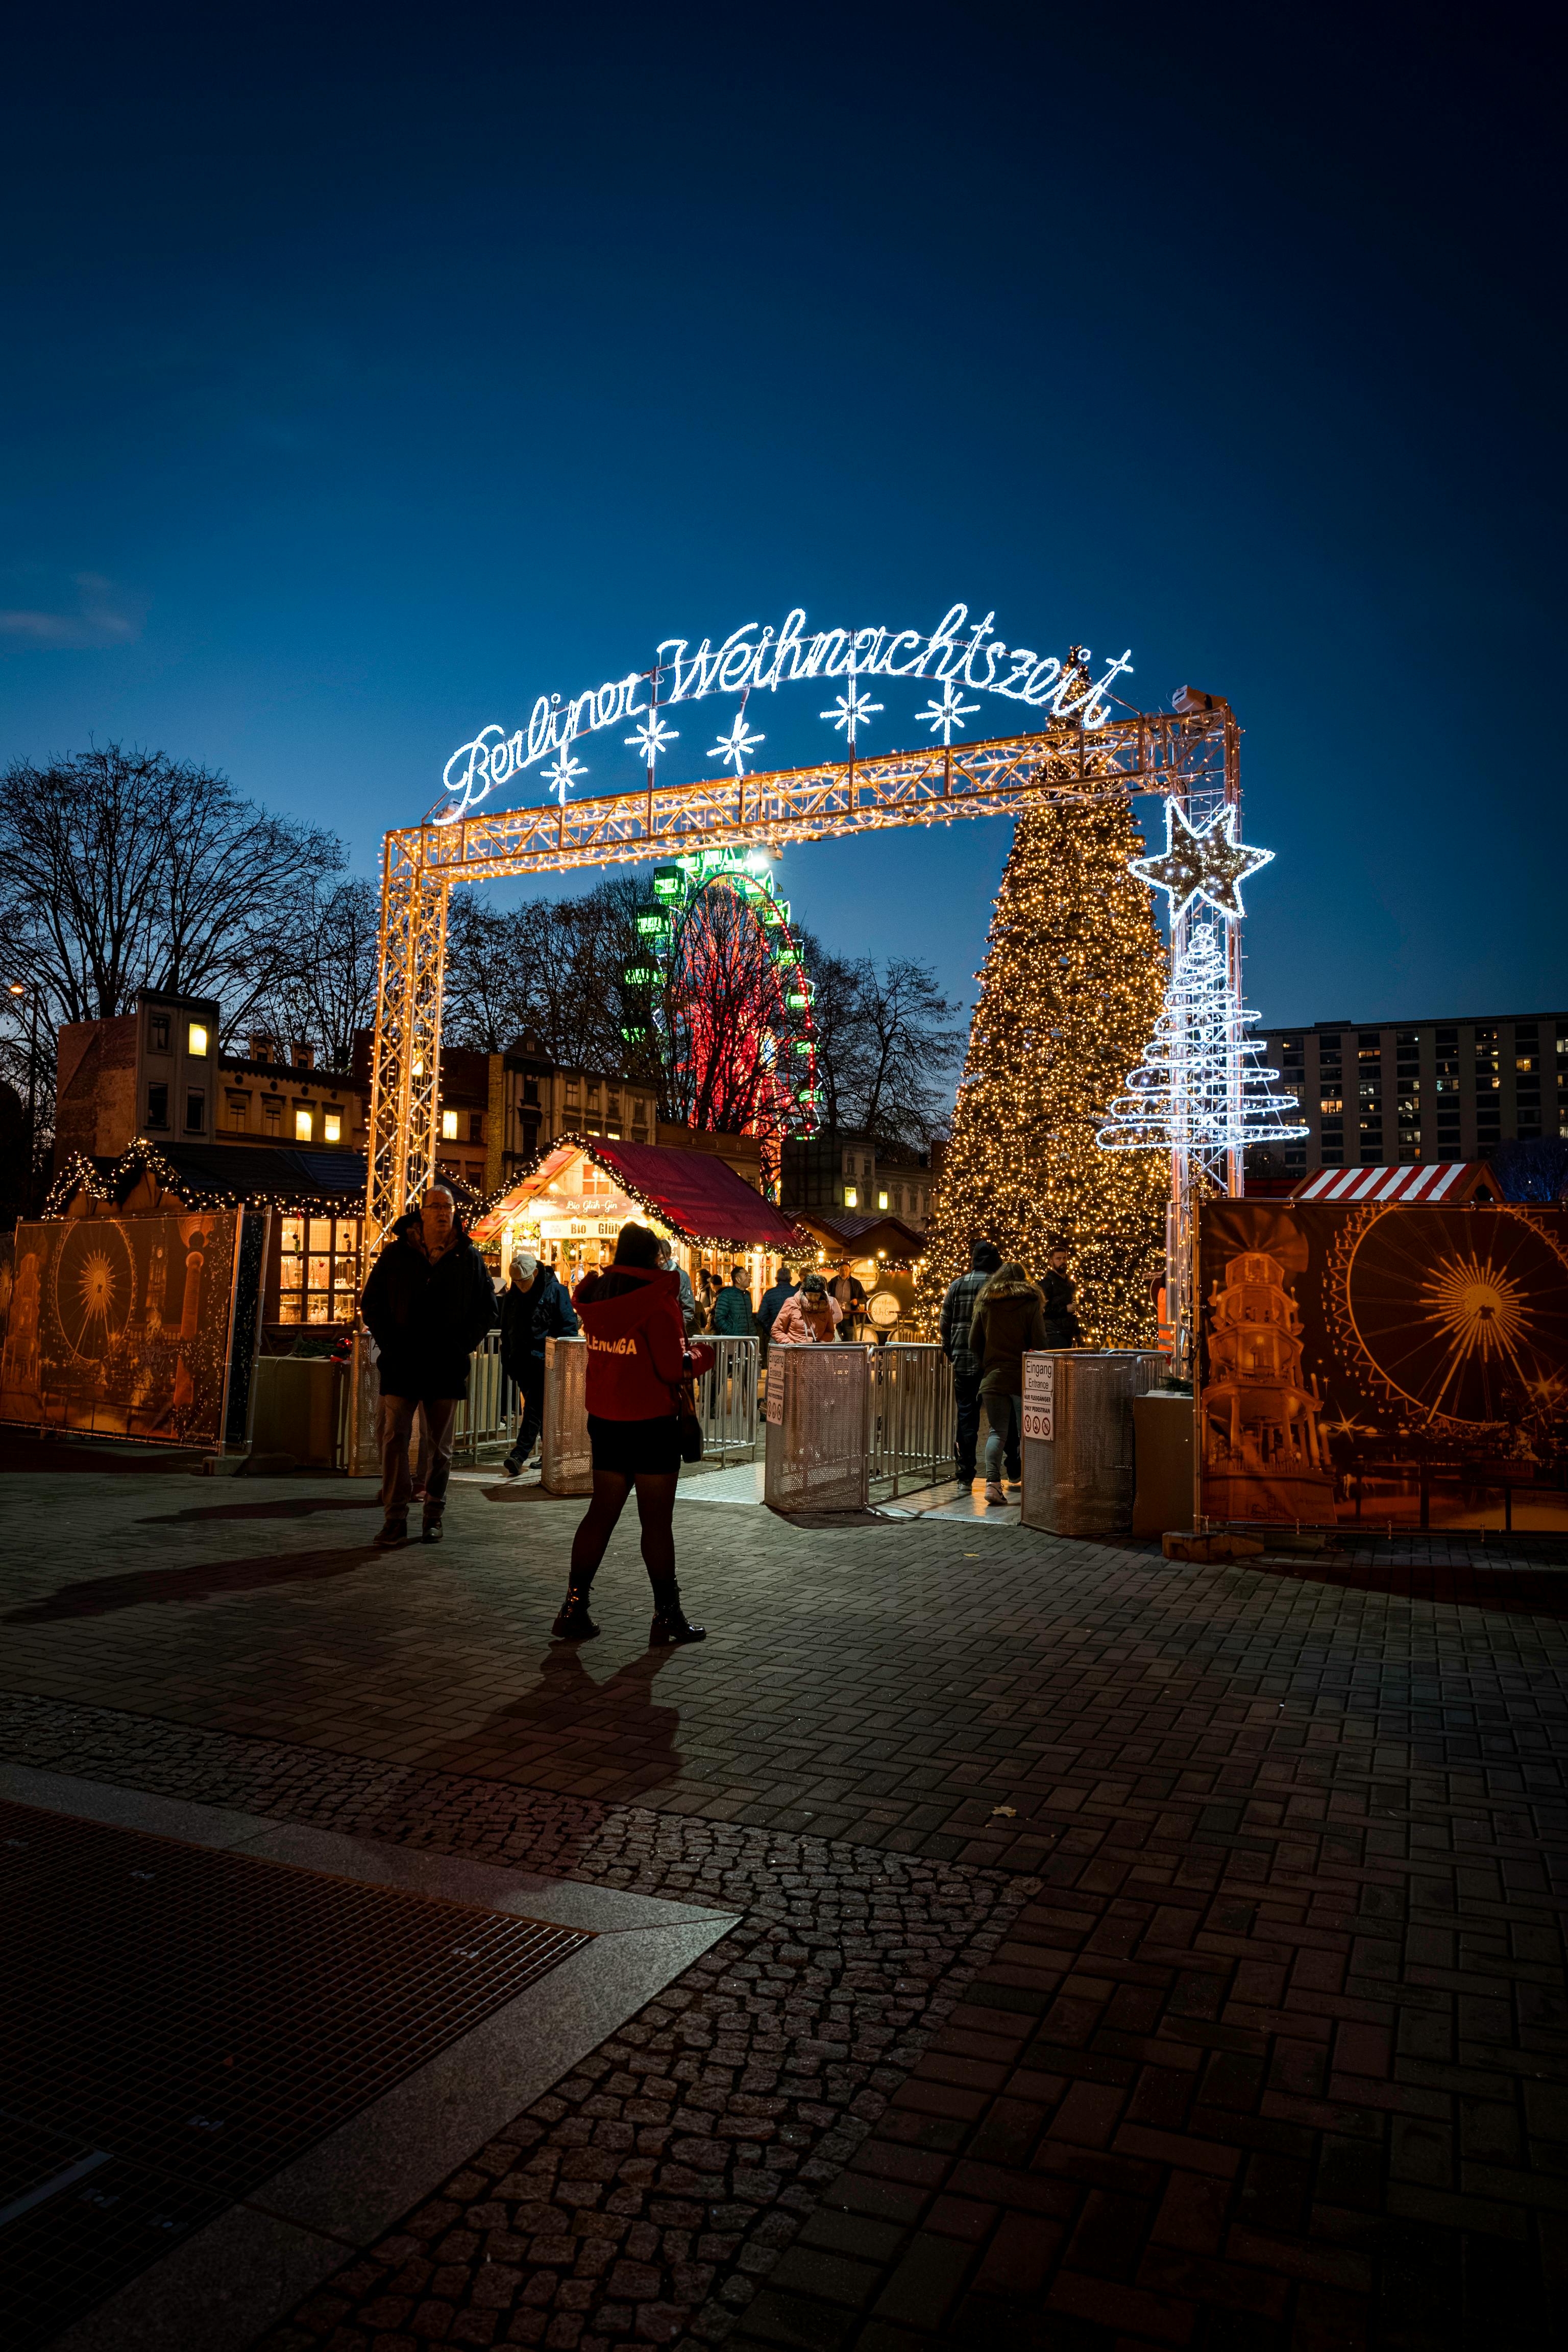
[[652, 1447]]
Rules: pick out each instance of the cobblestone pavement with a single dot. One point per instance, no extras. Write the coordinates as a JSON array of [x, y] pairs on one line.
[[1134, 1954]]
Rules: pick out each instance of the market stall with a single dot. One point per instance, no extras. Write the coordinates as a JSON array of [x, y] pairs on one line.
[[569, 1207]]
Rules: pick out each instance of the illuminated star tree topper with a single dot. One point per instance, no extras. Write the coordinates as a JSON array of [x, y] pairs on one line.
[[1204, 862]]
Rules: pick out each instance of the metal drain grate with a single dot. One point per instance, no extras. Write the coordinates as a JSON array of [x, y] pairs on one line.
[[193, 2020]]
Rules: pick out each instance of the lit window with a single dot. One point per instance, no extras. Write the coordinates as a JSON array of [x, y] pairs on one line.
[[851, 1196], [448, 1127], [196, 1037], [304, 1126], [881, 1200], [332, 1125]]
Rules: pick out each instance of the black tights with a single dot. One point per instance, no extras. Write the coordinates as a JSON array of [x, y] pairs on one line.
[[656, 1509]]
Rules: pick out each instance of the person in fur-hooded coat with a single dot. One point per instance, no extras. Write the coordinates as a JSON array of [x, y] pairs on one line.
[[1009, 1320]]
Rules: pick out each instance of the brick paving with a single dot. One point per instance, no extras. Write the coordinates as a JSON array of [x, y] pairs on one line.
[[1134, 1954]]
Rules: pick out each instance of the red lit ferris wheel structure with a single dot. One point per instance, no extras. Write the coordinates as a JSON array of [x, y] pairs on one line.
[[720, 999]]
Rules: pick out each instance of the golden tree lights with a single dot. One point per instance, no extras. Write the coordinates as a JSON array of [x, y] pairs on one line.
[[1069, 993]]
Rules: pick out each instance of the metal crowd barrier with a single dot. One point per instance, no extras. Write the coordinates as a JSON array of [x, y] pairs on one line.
[[817, 1452], [489, 1414], [727, 1396], [911, 1426], [568, 1462], [1078, 1478]]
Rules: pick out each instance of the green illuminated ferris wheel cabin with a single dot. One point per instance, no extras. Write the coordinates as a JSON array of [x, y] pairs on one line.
[[720, 986]]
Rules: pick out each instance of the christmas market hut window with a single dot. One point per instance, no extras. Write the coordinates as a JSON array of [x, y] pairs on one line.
[[318, 1275]]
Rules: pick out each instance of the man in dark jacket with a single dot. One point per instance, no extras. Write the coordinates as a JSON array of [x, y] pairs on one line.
[[850, 1293], [533, 1308], [767, 1313], [427, 1305], [957, 1308], [1057, 1291]]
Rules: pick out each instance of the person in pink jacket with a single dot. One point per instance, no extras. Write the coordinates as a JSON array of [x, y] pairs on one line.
[[809, 1317]]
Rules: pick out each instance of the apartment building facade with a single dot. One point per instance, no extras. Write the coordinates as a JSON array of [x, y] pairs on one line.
[[532, 1099], [1379, 1095], [840, 1168]]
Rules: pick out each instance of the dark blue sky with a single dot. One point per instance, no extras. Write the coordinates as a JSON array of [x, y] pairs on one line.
[[372, 371]]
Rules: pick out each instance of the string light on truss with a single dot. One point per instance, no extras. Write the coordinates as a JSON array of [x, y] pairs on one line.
[[1203, 862], [738, 746], [950, 712], [564, 773], [850, 711], [652, 738]]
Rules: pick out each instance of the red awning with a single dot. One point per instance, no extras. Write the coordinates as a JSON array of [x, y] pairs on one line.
[[1427, 1181], [696, 1193]]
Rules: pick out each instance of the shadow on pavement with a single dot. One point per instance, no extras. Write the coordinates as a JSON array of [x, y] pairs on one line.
[[295, 1506], [575, 1726], [100, 1596]]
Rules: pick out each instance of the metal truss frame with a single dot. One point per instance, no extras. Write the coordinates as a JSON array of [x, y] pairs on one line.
[[1193, 756]]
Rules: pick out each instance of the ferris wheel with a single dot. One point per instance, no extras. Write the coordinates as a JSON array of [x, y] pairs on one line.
[[719, 985]]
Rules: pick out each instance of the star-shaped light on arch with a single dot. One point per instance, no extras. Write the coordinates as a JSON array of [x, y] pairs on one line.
[[1201, 862]]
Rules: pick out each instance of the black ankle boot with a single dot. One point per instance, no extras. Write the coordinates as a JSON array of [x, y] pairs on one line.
[[670, 1622], [573, 1623]]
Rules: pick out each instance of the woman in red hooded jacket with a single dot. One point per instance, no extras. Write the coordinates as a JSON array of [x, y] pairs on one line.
[[638, 1357]]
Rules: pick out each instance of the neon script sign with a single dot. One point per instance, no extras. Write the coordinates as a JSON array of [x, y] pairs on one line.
[[757, 658]]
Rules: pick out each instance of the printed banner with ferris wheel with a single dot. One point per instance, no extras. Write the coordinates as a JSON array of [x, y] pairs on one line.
[[1383, 1363]]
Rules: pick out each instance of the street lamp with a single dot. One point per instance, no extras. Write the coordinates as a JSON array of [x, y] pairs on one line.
[[20, 988]]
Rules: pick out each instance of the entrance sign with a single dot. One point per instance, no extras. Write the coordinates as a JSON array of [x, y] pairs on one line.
[[755, 658], [1039, 1416], [1078, 759]]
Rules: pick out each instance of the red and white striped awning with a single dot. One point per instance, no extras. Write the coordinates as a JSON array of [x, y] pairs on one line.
[[1429, 1180]]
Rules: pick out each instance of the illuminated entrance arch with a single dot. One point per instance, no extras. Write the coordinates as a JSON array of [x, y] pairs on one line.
[[1190, 755]]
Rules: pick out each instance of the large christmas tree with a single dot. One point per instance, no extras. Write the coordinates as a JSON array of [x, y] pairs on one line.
[[1070, 992]]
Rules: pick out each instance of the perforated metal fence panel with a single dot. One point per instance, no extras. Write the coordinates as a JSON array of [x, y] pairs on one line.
[[817, 1452], [567, 1461], [1079, 1480], [178, 2024]]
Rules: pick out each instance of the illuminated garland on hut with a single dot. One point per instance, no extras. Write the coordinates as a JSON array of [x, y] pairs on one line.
[[803, 1250], [141, 1158]]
